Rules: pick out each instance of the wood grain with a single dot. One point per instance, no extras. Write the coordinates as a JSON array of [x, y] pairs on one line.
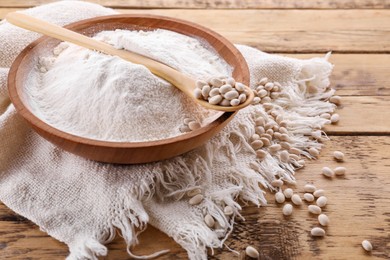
[[200, 4], [358, 209], [292, 31]]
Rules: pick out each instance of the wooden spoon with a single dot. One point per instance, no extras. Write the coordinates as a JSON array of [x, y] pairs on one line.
[[178, 79]]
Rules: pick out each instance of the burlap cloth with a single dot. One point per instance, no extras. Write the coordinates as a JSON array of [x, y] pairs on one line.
[[81, 202]]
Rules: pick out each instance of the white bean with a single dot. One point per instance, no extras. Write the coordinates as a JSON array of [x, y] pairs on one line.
[[209, 220], [197, 199], [268, 86], [235, 102], [322, 201], [205, 91], [328, 172], [198, 93], [260, 121], [225, 102], [308, 197], [296, 199], [284, 156], [256, 100], [200, 83], [309, 188], [263, 81], [242, 98], [323, 220], [288, 193], [252, 252], [216, 82], [335, 100], [287, 209], [314, 152], [339, 156], [261, 154], [314, 209], [367, 245], [231, 81], [231, 94], [334, 118], [213, 92], [239, 86], [225, 89], [255, 137], [274, 148], [279, 197], [257, 144], [194, 125], [265, 141], [340, 171], [277, 183], [192, 193], [262, 93], [319, 193], [317, 232], [266, 100], [215, 100], [228, 211]]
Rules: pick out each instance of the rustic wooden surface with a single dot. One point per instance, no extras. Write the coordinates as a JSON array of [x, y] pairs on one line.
[[359, 203]]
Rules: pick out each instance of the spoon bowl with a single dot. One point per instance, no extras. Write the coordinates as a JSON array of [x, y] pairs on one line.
[[122, 152]]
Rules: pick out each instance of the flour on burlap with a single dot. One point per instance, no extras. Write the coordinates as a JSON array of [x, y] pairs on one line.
[[103, 97], [81, 202]]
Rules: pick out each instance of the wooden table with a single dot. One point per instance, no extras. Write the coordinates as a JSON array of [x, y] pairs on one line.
[[358, 33]]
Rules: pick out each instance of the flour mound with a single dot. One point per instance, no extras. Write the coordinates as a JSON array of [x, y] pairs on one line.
[[97, 96]]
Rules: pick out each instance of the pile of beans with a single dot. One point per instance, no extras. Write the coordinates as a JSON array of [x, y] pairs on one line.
[[221, 91]]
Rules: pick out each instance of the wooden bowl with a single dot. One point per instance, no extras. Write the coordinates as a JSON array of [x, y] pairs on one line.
[[122, 152]]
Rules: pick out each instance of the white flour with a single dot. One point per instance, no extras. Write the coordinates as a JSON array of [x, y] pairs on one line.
[[102, 97]]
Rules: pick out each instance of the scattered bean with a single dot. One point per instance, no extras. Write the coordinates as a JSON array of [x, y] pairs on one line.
[[261, 154], [328, 172], [193, 192], [277, 183], [335, 100], [274, 148], [279, 197], [252, 252], [367, 245], [209, 220], [314, 152], [256, 100], [308, 197], [322, 201], [317, 232], [287, 209], [319, 193], [193, 125], [340, 171], [201, 83], [257, 144], [314, 209], [265, 141], [339, 156], [309, 188], [284, 156], [334, 118], [260, 121], [288, 193], [228, 211], [296, 199], [197, 199], [323, 220]]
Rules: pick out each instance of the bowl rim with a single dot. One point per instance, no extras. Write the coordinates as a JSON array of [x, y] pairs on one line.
[[16, 93]]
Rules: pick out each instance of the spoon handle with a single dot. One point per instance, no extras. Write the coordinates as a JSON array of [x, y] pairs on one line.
[[24, 21]]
